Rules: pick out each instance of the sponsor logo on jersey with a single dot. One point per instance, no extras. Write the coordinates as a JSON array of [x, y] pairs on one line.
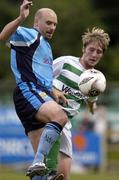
[[72, 92]]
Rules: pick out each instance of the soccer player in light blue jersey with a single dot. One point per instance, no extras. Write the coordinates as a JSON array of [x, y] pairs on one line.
[[31, 63]]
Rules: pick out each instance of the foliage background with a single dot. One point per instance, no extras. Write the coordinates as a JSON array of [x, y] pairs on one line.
[[74, 17]]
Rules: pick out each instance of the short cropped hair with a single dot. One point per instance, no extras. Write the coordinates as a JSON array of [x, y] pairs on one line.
[[96, 35]]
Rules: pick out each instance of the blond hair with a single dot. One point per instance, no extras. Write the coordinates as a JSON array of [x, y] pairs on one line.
[[96, 35]]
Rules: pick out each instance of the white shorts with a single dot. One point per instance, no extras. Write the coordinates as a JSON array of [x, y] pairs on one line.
[[66, 140]]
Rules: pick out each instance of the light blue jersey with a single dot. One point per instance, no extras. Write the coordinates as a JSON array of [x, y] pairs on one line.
[[31, 57]]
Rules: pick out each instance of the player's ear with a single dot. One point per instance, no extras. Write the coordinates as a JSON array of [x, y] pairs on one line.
[[83, 50]]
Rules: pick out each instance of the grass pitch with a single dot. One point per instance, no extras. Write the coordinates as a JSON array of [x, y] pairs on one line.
[[6, 174]]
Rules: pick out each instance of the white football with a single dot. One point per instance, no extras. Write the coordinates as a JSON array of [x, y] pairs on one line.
[[92, 82]]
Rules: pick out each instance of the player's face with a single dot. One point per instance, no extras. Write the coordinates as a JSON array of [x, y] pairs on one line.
[[47, 24], [92, 54]]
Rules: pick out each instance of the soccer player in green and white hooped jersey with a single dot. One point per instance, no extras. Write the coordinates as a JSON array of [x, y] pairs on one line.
[[66, 70]]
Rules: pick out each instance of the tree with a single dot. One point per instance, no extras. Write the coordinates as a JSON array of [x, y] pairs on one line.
[[109, 14], [74, 18]]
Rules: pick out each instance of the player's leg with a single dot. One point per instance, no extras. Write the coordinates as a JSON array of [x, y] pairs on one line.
[[32, 106], [34, 137], [53, 115], [52, 158], [65, 157], [64, 165], [65, 153], [52, 162]]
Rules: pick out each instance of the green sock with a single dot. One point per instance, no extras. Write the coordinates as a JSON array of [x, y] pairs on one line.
[[52, 158]]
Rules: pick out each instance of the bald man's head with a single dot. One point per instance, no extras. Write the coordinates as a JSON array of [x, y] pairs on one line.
[[45, 22]]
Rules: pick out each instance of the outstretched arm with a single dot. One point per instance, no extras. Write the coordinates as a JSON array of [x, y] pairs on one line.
[[12, 26]]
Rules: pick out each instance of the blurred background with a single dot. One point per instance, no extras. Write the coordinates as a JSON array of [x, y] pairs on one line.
[[95, 137]]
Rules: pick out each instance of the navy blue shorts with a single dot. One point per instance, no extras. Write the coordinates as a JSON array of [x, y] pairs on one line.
[[28, 98]]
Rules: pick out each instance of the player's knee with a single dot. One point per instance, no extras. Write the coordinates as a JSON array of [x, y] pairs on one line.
[[62, 117]]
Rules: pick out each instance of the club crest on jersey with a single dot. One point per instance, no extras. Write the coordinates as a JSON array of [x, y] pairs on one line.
[[47, 61], [43, 94]]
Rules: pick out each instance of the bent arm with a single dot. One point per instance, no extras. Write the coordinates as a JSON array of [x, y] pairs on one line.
[[11, 27], [59, 96], [92, 106]]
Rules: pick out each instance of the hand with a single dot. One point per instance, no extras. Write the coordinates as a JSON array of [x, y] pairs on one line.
[[59, 96], [92, 106], [24, 9]]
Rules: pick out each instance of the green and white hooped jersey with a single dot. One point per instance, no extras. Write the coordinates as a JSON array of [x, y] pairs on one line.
[[66, 70]]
